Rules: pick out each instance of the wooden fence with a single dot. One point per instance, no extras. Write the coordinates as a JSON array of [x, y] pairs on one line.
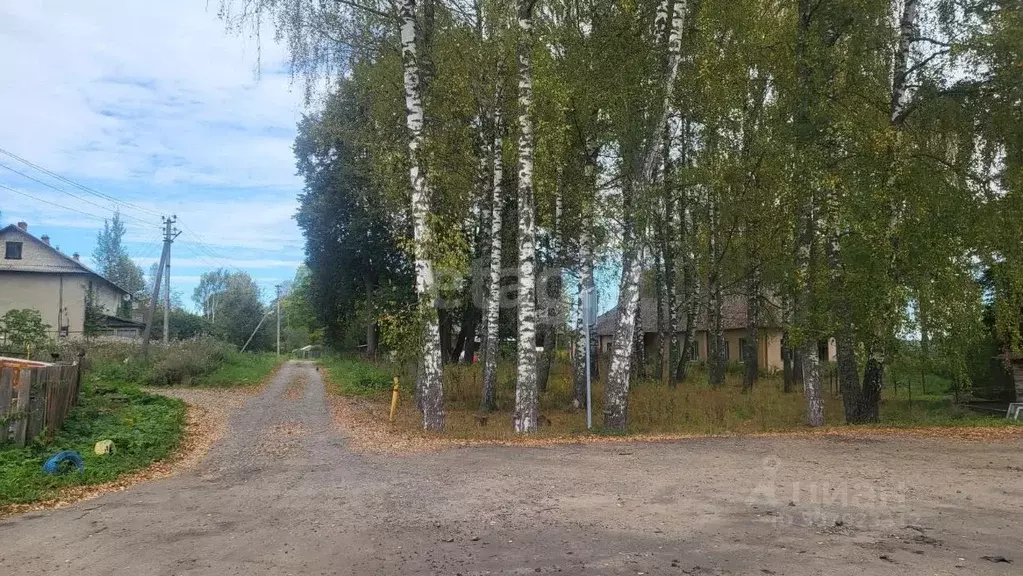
[[35, 399]]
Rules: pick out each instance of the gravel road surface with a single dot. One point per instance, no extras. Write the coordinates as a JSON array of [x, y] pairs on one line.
[[280, 493]]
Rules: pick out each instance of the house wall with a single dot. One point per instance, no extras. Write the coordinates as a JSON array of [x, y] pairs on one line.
[[34, 255], [769, 353], [59, 298]]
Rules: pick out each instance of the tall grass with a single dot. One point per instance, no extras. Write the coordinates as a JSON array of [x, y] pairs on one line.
[[203, 361], [691, 407]]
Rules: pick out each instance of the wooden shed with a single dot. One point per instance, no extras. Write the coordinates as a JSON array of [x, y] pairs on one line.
[[1014, 362]]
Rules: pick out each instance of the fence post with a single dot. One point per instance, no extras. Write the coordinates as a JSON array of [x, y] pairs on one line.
[[6, 393], [24, 390], [37, 402]]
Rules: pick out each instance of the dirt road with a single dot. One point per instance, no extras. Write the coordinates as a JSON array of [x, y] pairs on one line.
[[280, 494]]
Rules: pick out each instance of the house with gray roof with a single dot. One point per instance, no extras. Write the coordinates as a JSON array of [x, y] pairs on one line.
[[37, 276], [733, 324]]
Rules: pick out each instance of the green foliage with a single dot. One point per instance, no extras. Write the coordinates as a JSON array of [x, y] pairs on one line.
[[203, 361], [94, 313], [238, 309], [866, 201], [189, 361], [143, 427], [114, 263], [357, 377], [21, 329]]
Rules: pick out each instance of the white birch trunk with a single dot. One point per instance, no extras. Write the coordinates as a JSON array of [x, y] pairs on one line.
[[585, 283], [616, 391], [812, 382], [429, 382], [527, 401], [900, 80], [488, 402]]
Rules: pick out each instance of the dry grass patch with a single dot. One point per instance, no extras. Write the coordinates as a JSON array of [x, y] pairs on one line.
[[656, 413]]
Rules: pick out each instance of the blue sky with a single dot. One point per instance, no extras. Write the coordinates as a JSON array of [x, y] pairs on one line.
[[155, 104]]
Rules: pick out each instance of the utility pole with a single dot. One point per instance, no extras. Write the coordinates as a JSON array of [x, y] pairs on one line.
[[164, 266], [169, 235], [278, 319]]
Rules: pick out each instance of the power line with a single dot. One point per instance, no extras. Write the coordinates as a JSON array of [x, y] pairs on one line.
[[86, 200], [36, 198], [81, 187]]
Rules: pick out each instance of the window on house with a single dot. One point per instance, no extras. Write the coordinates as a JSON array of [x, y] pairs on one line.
[[694, 353], [742, 349], [726, 351], [13, 251]]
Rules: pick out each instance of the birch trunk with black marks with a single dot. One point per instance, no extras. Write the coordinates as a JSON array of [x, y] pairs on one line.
[[616, 390], [493, 300], [662, 324], [581, 342], [638, 333], [429, 384], [527, 398]]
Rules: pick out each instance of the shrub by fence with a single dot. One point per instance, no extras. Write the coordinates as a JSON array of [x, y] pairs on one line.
[[35, 399]]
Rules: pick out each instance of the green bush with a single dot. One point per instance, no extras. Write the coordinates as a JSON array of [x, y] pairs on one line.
[[188, 360]]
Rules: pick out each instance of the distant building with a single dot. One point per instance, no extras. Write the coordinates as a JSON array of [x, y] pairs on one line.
[[733, 323], [37, 276]]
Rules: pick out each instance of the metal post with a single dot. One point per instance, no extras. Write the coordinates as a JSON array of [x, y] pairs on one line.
[[589, 410], [589, 313]]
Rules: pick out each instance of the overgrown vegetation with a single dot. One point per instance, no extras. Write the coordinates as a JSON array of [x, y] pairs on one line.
[[200, 361], [143, 427], [693, 407]]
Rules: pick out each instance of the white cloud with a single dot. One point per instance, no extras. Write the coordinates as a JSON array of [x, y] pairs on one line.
[[153, 92], [157, 104]]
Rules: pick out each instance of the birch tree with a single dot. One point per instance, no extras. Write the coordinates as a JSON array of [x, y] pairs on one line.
[[527, 398], [429, 381], [488, 402], [616, 391]]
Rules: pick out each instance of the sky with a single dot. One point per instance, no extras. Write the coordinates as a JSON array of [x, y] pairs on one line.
[[157, 105]]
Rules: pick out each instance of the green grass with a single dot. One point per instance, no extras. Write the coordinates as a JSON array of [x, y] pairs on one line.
[[355, 377], [143, 427], [240, 369]]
